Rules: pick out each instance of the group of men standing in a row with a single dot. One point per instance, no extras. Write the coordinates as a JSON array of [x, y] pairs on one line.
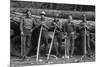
[[28, 24]]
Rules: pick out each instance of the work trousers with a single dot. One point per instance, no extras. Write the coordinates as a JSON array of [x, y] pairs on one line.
[[88, 47], [70, 44], [25, 43]]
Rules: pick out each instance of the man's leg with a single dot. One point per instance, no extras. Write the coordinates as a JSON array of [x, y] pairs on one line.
[[44, 40], [72, 46], [67, 45], [88, 45], [23, 40], [28, 47], [56, 45], [22, 45]]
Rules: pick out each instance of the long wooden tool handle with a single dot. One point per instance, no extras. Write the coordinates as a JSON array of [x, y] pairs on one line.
[[37, 56], [22, 46], [85, 41], [65, 48], [51, 44], [65, 43]]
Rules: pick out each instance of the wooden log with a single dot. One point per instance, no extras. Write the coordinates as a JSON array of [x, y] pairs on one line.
[[62, 13]]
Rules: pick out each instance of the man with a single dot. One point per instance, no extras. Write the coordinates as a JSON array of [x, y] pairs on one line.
[[26, 27], [56, 23], [85, 36], [44, 37], [69, 29], [57, 37]]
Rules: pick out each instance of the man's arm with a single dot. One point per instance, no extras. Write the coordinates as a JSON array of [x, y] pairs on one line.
[[35, 24], [57, 25], [74, 26], [21, 25], [44, 25]]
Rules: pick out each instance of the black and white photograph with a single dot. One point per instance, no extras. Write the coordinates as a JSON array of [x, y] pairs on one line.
[[45, 33]]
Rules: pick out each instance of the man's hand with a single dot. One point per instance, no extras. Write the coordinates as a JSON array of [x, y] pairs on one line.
[[65, 36], [65, 33], [31, 30], [43, 24], [72, 33], [22, 33], [56, 25]]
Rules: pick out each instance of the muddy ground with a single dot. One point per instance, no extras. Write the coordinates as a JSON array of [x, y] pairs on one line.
[[18, 62]]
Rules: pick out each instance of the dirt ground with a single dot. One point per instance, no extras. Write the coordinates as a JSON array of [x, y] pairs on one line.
[[18, 62]]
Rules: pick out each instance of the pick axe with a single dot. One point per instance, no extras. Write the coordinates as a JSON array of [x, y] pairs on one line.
[[51, 44]]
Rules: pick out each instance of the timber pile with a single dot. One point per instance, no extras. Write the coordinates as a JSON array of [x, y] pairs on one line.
[[16, 15], [62, 13]]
